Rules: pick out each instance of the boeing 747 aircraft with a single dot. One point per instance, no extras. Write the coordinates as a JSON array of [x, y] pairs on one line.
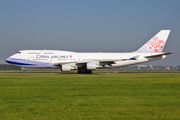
[[86, 62]]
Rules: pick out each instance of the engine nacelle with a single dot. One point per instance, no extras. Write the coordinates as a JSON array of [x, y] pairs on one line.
[[91, 66], [66, 68]]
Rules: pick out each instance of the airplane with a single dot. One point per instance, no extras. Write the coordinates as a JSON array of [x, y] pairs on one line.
[[85, 63]]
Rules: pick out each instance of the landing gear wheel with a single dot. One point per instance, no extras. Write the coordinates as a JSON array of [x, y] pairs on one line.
[[84, 72], [24, 72], [89, 71]]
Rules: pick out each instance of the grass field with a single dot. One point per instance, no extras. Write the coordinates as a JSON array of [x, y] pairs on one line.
[[96, 96]]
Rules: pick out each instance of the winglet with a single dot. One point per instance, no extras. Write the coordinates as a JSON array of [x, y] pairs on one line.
[[155, 44]]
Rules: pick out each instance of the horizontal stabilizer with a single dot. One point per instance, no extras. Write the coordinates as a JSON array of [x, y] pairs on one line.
[[158, 55]]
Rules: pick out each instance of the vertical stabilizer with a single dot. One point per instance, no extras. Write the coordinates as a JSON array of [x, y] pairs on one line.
[[155, 44]]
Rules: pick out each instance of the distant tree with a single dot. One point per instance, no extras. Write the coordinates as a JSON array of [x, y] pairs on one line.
[[9, 67]]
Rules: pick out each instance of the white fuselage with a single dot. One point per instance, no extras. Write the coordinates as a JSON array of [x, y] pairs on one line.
[[86, 62], [55, 59]]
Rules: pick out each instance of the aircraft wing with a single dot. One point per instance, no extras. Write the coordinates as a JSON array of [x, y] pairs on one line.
[[104, 61], [158, 55], [110, 61], [113, 61], [77, 62]]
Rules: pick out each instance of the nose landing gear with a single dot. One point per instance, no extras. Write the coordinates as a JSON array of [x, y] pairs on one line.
[[23, 71]]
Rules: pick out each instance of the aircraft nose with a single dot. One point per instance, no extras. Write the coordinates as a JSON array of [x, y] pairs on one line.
[[8, 60]]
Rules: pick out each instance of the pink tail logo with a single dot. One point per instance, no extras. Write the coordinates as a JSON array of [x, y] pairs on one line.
[[155, 44]]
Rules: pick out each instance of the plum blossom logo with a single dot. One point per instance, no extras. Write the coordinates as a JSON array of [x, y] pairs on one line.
[[155, 44], [70, 56]]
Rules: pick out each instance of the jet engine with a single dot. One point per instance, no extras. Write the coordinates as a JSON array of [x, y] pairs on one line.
[[66, 68], [91, 66]]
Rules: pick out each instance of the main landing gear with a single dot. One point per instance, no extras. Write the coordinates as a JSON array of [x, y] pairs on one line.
[[84, 71]]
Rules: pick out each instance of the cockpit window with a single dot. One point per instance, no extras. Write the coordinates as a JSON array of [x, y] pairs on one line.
[[19, 52]]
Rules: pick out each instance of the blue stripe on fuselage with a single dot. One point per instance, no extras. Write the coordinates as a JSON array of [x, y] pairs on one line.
[[18, 63], [25, 62]]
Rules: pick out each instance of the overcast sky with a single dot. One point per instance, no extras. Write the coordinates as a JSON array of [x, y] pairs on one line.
[[88, 25]]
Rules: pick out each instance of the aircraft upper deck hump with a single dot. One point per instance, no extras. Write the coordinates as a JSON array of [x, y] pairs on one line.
[[155, 44]]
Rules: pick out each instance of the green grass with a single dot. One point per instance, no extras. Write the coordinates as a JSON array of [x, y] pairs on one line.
[[73, 96]]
